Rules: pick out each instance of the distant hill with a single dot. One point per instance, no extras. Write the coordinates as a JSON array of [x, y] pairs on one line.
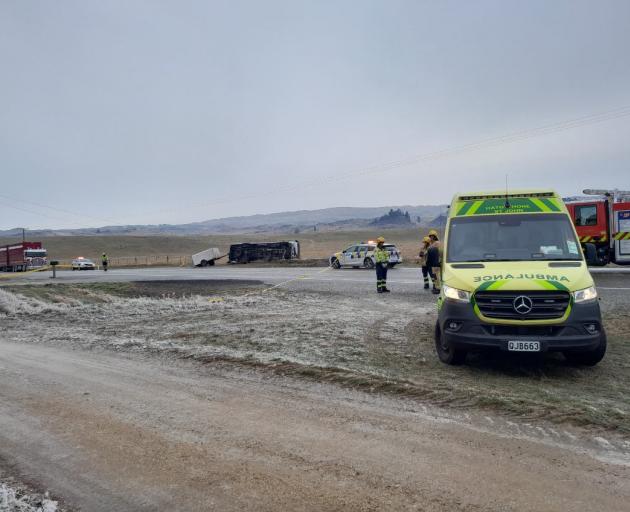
[[393, 218], [337, 219]]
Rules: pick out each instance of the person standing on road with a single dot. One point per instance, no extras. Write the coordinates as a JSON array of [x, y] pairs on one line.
[[104, 261], [434, 260], [426, 272], [381, 257]]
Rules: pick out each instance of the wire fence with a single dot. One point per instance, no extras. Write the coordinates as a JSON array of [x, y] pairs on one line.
[[176, 260], [156, 259]]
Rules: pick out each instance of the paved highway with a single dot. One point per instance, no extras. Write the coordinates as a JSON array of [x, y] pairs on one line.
[[407, 280]]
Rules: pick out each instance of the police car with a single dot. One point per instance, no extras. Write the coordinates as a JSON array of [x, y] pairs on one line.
[[362, 255], [82, 263]]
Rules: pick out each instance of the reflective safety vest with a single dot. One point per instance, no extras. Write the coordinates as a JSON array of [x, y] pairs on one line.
[[381, 255]]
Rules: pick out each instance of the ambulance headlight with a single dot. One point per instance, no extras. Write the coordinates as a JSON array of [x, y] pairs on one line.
[[455, 294], [585, 295]]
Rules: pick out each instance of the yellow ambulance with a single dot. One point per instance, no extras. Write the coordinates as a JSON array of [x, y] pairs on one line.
[[514, 278]]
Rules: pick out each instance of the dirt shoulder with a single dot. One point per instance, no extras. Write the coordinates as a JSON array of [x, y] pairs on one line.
[[130, 432], [350, 339]]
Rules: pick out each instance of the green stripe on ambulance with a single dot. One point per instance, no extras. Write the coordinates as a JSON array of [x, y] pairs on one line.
[[516, 205]]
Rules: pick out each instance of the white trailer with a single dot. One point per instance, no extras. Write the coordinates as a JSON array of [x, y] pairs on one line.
[[207, 257]]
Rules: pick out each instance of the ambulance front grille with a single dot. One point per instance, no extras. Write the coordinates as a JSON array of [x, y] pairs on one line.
[[545, 305]]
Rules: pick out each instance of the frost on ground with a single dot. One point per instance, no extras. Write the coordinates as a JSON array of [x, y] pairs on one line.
[[12, 500], [306, 329], [380, 343]]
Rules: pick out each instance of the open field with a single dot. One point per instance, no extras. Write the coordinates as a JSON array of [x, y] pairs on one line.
[[314, 245]]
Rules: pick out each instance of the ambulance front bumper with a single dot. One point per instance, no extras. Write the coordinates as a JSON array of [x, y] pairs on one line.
[[463, 329]]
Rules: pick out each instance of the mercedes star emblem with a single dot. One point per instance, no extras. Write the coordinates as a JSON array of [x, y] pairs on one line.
[[523, 304]]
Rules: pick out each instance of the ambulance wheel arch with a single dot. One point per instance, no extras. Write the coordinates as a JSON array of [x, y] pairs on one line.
[[446, 353], [589, 358]]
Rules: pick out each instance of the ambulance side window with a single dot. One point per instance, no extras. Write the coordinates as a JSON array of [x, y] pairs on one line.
[[586, 215]]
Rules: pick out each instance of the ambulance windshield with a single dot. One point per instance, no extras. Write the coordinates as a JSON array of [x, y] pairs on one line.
[[513, 237]]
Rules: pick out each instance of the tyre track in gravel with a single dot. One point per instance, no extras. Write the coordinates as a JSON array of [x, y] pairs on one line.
[[131, 432]]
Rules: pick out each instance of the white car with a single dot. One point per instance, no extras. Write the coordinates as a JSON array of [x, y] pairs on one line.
[[362, 255], [82, 263]]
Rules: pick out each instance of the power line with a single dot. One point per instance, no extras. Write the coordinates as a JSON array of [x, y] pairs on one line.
[[491, 142], [54, 208], [34, 212]]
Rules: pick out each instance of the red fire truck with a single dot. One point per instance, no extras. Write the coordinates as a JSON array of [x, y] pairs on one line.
[[22, 256], [604, 222]]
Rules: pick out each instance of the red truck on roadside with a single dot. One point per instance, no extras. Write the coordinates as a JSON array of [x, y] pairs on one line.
[[22, 256], [604, 221]]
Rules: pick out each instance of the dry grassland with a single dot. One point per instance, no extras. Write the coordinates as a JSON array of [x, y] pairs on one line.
[[314, 245]]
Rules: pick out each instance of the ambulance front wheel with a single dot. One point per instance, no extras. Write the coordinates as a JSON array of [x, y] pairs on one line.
[[445, 351]]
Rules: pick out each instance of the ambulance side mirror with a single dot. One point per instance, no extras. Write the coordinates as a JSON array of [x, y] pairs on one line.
[[590, 253]]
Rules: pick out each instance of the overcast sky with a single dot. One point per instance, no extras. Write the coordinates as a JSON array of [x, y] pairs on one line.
[[133, 112]]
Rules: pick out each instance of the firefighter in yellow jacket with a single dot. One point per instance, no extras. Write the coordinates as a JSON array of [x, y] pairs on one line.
[[424, 253], [381, 257]]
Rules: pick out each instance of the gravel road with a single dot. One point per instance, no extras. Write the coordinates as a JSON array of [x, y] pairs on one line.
[[135, 432]]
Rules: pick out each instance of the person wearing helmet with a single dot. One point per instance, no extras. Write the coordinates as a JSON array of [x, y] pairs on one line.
[[426, 271], [104, 261], [434, 257], [381, 257]]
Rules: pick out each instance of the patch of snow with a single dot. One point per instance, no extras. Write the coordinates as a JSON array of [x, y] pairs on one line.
[[14, 501]]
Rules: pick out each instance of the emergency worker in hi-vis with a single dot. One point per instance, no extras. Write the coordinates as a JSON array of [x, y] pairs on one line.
[[381, 258]]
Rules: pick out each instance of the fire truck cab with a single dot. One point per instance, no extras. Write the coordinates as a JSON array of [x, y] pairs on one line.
[[604, 222]]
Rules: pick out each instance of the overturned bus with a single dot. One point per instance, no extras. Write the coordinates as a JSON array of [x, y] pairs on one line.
[[264, 251]]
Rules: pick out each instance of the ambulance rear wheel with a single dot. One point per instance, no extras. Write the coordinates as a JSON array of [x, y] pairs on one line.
[[445, 351]]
